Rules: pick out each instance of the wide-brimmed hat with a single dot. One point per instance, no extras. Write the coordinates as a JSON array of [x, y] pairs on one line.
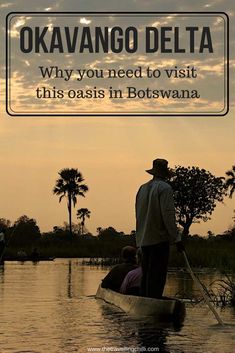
[[160, 167]]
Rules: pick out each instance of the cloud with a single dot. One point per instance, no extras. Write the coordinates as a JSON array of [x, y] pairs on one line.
[[83, 20], [8, 4], [13, 32]]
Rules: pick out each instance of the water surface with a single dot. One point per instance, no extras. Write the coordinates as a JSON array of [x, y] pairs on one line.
[[49, 307]]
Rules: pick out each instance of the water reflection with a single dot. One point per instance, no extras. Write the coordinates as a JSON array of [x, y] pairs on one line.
[[2, 273], [47, 308], [146, 334], [69, 291], [180, 284], [150, 337]]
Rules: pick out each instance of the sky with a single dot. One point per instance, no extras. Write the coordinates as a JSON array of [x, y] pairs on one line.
[[112, 153]]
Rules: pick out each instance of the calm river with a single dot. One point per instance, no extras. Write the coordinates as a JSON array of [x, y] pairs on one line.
[[49, 307]]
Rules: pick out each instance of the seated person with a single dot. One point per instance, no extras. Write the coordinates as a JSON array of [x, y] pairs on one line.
[[115, 277], [21, 254], [132, 281], [2, 243]]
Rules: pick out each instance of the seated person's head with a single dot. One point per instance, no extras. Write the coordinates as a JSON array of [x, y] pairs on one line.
[[129, 254]]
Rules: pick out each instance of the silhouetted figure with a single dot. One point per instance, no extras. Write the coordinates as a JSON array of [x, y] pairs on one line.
[[21, 254], [115, 277], [2, 244], [156, 228], [132, 281], [35, 255]]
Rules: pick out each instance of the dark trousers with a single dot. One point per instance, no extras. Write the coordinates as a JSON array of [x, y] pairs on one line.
[[2, 247], [154, 266]]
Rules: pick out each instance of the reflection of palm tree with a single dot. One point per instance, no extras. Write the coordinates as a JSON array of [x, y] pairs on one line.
[[230, 182], [69, 185], [82, 214], [69, 290]]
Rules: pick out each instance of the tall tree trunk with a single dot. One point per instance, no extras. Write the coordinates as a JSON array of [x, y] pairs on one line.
[[83, 224], [186, 227], [82, 227], [70, 215]]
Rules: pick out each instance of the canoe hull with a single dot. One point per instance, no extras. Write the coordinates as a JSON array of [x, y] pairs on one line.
[[163, 309]]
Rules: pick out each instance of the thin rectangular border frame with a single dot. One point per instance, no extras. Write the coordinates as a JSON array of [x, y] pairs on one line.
[[131, 114]]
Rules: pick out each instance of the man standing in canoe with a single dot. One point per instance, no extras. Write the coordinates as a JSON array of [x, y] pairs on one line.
[[156, 228]]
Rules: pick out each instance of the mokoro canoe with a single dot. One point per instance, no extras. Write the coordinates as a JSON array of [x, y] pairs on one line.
[[162, 309]]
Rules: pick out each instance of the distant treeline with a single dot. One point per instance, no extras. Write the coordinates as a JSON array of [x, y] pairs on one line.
[[214, 251]]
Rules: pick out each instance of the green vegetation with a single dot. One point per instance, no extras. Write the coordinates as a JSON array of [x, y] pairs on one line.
[[222, 292], [215, 252], [69, 186], [196, 192], [230, 182], [82, 214]]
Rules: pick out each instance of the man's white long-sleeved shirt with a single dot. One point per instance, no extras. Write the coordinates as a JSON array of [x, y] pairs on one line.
[[155, 214], [2, 237]]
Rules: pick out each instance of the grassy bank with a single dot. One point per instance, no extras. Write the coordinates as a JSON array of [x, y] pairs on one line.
[[205, 253], [211, 253]]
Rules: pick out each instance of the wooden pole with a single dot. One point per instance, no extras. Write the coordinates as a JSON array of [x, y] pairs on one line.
[[218, 318]]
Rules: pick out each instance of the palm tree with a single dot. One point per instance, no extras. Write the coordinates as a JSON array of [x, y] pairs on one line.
[[82, 214], [69, 186], [230, 182]]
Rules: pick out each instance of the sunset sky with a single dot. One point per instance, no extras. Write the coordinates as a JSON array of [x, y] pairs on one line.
[[112, 153]]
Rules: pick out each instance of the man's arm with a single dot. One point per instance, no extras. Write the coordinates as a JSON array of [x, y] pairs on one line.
[[168, 214]]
